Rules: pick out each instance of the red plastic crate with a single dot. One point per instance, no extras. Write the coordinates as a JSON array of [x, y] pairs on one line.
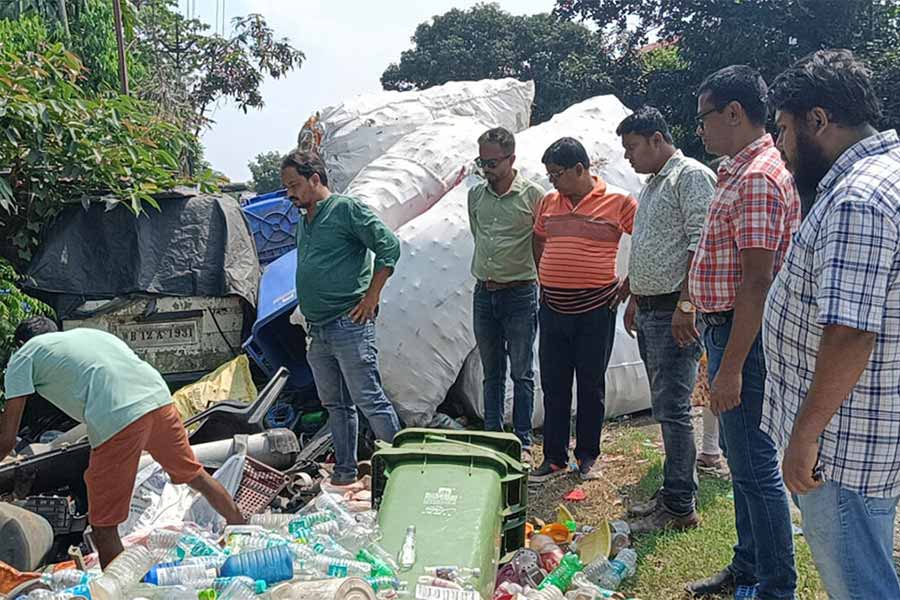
[[260, 484]]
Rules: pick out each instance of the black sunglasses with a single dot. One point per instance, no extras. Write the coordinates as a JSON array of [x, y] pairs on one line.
[[490, 163]]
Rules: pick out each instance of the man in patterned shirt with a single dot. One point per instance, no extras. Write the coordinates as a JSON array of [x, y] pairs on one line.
[[832, 324], [671, 212], [755, 210]]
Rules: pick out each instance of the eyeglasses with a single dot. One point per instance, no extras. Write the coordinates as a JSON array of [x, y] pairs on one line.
[[490, 163], [701, 118], [555, 175]]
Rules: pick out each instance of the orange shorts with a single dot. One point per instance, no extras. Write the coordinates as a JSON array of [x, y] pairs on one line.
[[113, 467]]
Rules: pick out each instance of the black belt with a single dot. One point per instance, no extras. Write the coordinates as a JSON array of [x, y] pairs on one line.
[[717, 318], [660, 302]]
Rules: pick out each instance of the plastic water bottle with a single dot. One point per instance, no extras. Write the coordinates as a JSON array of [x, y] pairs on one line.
[[147, 591], [621, 567], [561, 576], [583, 589], [407, 556], [269, 564], [326, 501], [236, 588], [123, 572], [64, 579], [549, 593], [381, 583], [54, 594], [196, 576], [620, 533], [191, 542], [380, 567]]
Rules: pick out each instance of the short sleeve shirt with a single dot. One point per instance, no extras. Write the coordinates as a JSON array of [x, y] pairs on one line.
[[91, 375]]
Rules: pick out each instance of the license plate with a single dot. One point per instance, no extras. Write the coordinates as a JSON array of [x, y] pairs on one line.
[[158, 335]]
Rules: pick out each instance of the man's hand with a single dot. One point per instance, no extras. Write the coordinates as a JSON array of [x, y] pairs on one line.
[[629, 316], [684, 328], [365, 310], [725, 391], [621, 294], [799, 466]]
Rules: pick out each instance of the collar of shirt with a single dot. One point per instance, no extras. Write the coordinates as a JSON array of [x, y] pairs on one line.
[[598, 192], [734, 164], [667, 168], [518, 185], [320, 205], [873, 145]]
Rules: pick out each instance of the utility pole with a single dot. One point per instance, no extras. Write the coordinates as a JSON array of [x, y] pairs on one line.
[[120, 43], [63, 16]]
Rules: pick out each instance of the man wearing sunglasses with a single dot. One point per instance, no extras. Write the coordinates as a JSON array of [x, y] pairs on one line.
[[501, 215], [755, 210], [576, 240]]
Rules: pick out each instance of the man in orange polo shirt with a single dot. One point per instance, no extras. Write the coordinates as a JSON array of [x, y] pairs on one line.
[[576, 239]]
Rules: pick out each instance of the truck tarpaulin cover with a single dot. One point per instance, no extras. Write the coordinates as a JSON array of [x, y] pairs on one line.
[[192, 246]]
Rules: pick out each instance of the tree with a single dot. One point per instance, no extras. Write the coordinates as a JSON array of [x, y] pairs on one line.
[[189, 71], [709, 35], [266, 170], [568, 62], [59, 143]]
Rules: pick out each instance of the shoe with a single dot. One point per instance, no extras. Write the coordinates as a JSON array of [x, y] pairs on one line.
[[745, 592], [642, 509], [709, 463], [341, 482], [588, 469], [527, 458], [723, 582], [547, 471], [663, 518]]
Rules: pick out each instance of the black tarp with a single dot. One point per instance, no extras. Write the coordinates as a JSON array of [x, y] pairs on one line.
[[192, 246]]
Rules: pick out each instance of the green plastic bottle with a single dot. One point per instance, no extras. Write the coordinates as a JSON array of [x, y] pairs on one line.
[[561, 576]]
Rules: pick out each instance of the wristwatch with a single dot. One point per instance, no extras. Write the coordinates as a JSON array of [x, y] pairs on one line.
[[686, 306]]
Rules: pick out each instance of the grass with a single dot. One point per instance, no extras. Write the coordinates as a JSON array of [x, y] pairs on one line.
[[632, 470]]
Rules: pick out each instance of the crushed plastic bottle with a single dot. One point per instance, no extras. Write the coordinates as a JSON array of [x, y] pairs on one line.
[[381, 583], [407, 557], [237, 588], [608, 574], [620, 535], [583, 589], [561, 576], [148, 591], [196, 576], [122, 573], [64, 579], [329, 502], [168, 544]]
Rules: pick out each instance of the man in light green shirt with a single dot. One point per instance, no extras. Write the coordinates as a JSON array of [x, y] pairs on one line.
[[95, 378], [501, 215]]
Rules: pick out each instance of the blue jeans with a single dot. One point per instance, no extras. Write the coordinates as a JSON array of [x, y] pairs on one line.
[[576, 346], [344, 363], [672, 372], [852, 540], [505, 323], [765, 547]]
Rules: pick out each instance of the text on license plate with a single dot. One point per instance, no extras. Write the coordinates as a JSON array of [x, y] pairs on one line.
[[154, 335]]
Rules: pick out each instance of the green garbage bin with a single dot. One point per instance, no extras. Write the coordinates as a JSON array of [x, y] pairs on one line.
[[463, 491]]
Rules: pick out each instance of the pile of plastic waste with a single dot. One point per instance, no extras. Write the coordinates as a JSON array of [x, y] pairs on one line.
[[563, 560], [322, 551]]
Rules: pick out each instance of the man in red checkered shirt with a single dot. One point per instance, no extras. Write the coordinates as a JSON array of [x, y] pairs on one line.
[[755, 211]]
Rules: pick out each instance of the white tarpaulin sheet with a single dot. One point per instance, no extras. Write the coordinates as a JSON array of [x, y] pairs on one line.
[[425, 327], [358, 131]]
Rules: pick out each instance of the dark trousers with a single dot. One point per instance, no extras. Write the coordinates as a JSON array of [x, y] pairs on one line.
[[579, 347]]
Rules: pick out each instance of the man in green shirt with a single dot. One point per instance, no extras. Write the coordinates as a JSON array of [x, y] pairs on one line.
[[505, 304], [95, 378], [338, 290]]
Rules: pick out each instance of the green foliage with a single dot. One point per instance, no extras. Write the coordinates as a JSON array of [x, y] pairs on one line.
[[15, 307], [188, 71], [60, 144], [568, 62], [764, 34], [93, 39], [266, 170]]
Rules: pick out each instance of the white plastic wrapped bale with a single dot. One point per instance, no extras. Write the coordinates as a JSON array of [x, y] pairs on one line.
[[425, 324], [361, 129], [418, 170], [425, 331]]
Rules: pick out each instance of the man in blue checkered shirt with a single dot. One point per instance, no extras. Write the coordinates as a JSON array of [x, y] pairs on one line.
[[831, 329]]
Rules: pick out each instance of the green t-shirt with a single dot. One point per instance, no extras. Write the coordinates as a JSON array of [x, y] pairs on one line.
[[91, 375], [334, 257]]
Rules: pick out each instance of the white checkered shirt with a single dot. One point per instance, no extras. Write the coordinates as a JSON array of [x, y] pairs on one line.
[[842, 269]]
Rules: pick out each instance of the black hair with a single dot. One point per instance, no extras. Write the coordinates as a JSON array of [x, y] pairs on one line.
[[566, 152], [645, 121], [32, 327], [306, 164], [830, 79], [500, 136], [741, 84]]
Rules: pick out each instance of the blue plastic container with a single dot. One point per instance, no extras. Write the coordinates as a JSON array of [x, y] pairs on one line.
[[269, 564], [266, 196], [274, 342], [273, 220]]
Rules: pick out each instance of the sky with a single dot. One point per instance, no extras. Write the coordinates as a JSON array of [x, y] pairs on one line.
[[348, 44]]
